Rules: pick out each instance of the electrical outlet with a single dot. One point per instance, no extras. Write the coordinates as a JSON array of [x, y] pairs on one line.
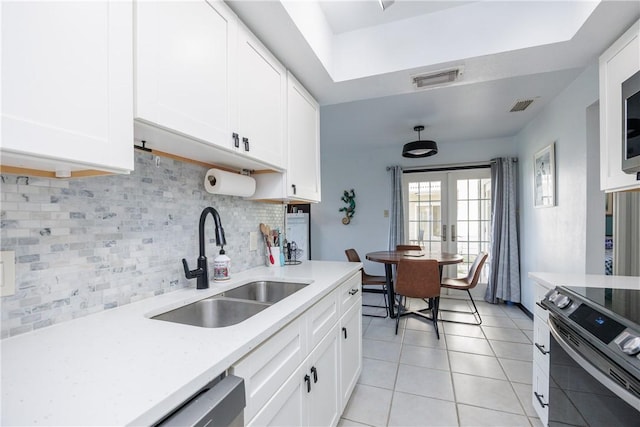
[[253, 241], [7, 273], [386, 213]]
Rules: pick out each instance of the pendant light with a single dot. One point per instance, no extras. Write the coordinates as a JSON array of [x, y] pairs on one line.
[[419, 148]]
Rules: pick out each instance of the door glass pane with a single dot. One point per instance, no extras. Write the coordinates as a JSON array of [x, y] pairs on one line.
[[473, 200], [425, 214]]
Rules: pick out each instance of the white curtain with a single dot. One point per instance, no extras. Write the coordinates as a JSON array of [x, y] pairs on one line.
[[504, 268], [396, 225]]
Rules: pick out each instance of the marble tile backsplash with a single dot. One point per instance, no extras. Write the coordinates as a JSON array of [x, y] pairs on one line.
[[91, 244]]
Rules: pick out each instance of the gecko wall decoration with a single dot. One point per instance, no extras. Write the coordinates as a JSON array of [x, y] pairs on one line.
[[349, 197]]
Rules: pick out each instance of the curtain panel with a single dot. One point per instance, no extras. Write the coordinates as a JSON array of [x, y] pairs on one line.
[[396, 223], [504, 269]]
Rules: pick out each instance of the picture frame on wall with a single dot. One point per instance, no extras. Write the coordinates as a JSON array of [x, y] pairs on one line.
[[544, 177]]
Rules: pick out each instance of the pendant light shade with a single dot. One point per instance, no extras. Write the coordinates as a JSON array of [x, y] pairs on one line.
[[419, 148]]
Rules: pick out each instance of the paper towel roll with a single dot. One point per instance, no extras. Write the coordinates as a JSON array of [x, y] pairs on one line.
[[217, 181]]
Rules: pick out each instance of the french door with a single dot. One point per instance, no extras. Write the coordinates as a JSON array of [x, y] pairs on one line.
[[449, 212]]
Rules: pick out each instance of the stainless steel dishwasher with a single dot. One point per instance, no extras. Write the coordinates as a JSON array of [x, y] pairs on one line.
[[220, 404]]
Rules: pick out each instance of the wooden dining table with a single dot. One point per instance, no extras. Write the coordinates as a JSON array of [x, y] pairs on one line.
[[390, 258]]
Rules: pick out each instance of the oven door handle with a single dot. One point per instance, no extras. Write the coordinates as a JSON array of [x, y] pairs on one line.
[[613, 386]]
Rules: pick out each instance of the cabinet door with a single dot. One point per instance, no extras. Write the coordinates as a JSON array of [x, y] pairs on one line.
[[540, 395], [287, 407], [267, 367], [185, 54], [67, 85], [617, 64], [323, 399], [303, 143], [261, 100], [350, 352]]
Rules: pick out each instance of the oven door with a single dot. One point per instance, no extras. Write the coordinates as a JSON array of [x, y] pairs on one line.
[[580, 394]]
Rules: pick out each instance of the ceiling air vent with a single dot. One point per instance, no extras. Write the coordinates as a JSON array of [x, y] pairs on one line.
[[521, 105], [436, 78]]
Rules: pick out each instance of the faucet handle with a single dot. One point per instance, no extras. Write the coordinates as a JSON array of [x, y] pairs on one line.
[[190, 274]]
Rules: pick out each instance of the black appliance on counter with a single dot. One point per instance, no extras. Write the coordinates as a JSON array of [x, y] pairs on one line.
[[594, 365]]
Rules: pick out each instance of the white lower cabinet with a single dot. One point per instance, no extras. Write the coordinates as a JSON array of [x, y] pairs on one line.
[[305, 373], [350, 352], [541, 343]]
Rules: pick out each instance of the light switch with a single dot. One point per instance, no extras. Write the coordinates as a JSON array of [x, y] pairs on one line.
[[7, 273], [253, 241]]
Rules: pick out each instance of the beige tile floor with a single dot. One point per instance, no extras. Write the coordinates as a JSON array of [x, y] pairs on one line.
[[472, 376]]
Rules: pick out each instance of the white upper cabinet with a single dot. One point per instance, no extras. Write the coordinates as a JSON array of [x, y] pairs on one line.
[[303, 143], [185, 56], [67, 85], [617, 64], [261, 101], [204, 78]]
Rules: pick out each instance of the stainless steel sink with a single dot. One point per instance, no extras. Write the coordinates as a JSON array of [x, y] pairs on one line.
[[265, 291], [213, 312]]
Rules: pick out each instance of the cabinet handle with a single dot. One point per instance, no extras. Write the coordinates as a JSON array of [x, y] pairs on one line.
[[541, 348], [444, 233], [246, 143], [540, 401], [236, 140], [344, 330], [314, 371], [353, 291], [293, 186], [307, 379], [541, 306]]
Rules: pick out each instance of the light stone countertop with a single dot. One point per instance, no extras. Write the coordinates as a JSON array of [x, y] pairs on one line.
[[551, 280], [119, 367]]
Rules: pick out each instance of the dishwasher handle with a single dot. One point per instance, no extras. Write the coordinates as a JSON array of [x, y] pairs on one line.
[[221, 405]]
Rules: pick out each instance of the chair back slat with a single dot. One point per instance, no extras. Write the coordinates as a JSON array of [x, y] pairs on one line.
[[352, 255], [476, 268]]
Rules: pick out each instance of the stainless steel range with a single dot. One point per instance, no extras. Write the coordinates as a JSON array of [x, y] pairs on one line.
[[594, 356]]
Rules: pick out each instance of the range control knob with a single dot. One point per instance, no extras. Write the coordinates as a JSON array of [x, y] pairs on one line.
[[562, 301], [631, 346]]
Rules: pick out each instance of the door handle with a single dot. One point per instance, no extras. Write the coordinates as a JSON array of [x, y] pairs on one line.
[[236, 140], [453, 233], [246, 143], [540, 401], [444, 233], [541, 348]]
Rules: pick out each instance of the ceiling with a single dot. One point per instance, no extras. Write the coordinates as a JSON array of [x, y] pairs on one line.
[[358, 60]]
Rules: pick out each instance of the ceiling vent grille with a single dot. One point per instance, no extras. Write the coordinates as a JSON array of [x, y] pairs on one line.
[[521, 105], [435, 79]]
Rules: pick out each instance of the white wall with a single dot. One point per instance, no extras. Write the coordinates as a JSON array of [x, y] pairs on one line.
[[344, 168], [555, 239]]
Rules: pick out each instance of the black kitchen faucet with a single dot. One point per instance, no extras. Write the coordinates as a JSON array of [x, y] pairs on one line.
[[202, 272]]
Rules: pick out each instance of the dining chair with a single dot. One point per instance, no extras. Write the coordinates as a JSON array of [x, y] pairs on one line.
[[376, 284], [418, 279], [408, 248], [466, 284]]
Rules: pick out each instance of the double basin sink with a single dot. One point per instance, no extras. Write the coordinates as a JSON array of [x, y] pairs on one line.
[[232, 306]]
